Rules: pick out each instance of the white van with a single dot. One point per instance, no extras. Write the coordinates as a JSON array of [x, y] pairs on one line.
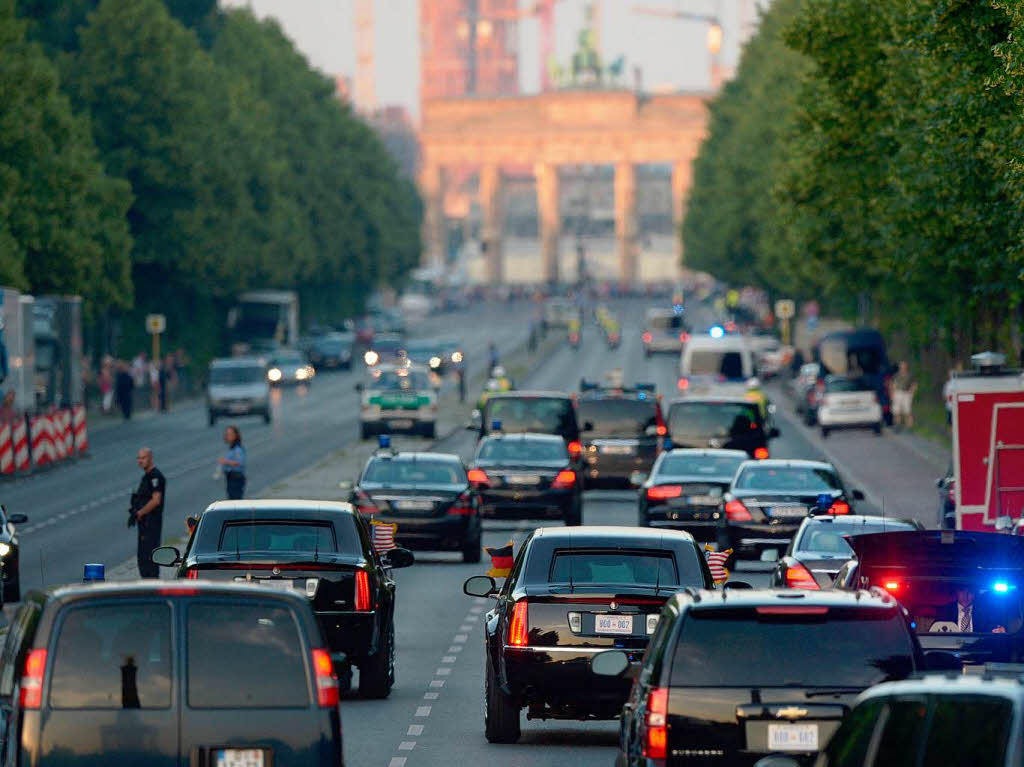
[[722, 366]]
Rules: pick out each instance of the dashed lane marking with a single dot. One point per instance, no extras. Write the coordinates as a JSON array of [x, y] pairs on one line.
[[449, 659], [407, 745], [437, 683], [415, 729], [460, 637], [431, 695], [443, 671], [397, 761], [456, 648], [422, 711]]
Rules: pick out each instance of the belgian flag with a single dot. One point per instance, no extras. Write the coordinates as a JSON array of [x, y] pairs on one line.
[[501, 561]]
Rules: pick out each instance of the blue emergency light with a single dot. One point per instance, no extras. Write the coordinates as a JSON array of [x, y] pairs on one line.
[[94, 573], [384, 440], [717, 331], [1001, 587], [824, 501], [495, 425]]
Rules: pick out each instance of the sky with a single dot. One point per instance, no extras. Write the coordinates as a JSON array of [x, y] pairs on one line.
[[672, 53]]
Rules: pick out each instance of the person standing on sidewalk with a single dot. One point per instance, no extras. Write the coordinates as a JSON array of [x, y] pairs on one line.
[[904, 386], [148, 512], [233, 464], [124, 386]]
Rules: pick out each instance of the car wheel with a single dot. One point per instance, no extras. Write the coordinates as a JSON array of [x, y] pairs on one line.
[[471, 551], [12, 590], [575, 515], [824, 432], [211, 417], [501, 714], [377, 674], [877, 428]]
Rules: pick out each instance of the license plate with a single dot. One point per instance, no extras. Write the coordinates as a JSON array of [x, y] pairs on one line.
[[522, 479], [400, 423], [789, 511], [413, 505], [613, 624], [284, 584], [616, 449], [792, 737], [239, 757], [702, 500]]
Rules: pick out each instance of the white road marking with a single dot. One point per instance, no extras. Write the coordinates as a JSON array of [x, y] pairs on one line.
[[397, 761], [431, 695], [415, 729], [423, 711], [449, 659], [460, 637], [455, 648], [407, 745], [443, 671], [466, 628], [437, 683], [477, 609]]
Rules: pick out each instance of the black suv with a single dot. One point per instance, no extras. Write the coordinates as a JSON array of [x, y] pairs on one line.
[[740, 674], [733, 423], [167, 674], [624, 435], [537, 412]]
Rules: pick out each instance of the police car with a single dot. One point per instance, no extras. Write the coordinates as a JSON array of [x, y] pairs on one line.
[[398, 398]]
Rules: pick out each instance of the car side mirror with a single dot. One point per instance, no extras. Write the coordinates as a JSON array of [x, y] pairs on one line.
[[398, 558], [651, 431], [166, 556], [588, 426], [941, 660], [475, 420], [17, 519], [777, 761], [774, 433], [480, 586], [858, 495], [359, 386], [609, 663]]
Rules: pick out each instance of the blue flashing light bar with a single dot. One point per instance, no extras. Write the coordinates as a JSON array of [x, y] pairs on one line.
[[717, 331], [94, 573], [495, 425], [384, 440]]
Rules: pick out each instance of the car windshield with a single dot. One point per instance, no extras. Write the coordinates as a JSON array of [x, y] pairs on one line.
[[237, 374], [727, 365], [787, 478], [713, 419], [424, 350], [618, 417], [547, 415], [800, 647], [523, 450], [386, 345], [844, 359], [333, 345], [400, 380], [597, 567], [386, 471], [288, 359], [700, 465]]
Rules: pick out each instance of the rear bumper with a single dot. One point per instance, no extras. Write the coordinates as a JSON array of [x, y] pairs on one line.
[[352, 633], [753, 538], [599, 469], [508, 504], [837, 418]]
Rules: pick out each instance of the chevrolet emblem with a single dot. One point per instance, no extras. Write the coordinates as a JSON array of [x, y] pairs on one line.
[[276, 571], [791, 712], [613, 606]]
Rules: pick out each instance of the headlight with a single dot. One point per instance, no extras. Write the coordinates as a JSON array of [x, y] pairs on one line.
[[301, 374], [5, 549], [435, 362], [371, 357], [457, 357], [274, 374]]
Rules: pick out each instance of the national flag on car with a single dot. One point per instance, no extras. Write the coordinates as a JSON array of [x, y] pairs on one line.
[[716, 563], [383, 534], [501, 560]]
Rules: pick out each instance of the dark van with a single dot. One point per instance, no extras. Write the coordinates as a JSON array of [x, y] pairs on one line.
[[858, 354], [536, 412], [167, 675], [731, 423]]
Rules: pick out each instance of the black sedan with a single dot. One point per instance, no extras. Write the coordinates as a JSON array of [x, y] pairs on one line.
[[768, 500], [527, 476], [574, 593], [427, 495], [685, 489], [10, 564], [624, 435], [319, 548]]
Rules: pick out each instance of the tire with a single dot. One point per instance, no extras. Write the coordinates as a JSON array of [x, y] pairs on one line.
[[211, 418], [12, 590], [471, 551], [430, 432], [877, 429], [824, 432], [501, 714], [377, 673], [574, 517]]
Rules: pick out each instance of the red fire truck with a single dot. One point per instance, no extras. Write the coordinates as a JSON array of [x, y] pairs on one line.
[[987, 407]]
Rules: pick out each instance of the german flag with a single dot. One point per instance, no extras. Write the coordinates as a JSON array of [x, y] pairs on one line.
[[501, 561]]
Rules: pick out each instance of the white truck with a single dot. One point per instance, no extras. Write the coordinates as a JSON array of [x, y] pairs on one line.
[[262, 320]]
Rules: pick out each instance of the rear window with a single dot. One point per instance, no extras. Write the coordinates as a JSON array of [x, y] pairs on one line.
[[842, 357], [259, 535], [713, 419], [618, 417], [665, 322], [724, 364], [419, 472], [245, 656], [836, 385], [797, 479], [968, 730], [830, 538], [613, 567], [547, 415], [113, 656], [700, 465], [844, 647], [525, 450]]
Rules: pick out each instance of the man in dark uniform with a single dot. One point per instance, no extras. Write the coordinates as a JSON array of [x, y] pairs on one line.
[[148, 508]]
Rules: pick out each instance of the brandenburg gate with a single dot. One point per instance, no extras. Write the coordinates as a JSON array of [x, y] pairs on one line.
[[621, 128]]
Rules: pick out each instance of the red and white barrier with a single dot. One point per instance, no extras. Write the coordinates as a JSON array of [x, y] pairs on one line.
[[19, 440], [60, 431], [41, 435], [81, 434], [6, 450]]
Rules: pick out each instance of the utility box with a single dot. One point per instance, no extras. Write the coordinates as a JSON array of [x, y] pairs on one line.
[[16, 357], [57, 335]]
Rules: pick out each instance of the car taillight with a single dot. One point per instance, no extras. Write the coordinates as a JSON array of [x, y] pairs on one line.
[[565, 479], [31, 695], [656, 742], [648, 338], [799, 577], [891, 585], [462, 507], [517, 628], [661, 492], [363, 602], [659, 420], [761, 453], [839, 507], [327, 692], [684, 337], [192, 574], [735, 511], [478, 477], [575, 448], [365, 504], [683, 384]]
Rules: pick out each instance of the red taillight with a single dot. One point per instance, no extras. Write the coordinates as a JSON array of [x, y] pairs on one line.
[[517, 629], [735, 511], [839, 507], [575, 448], [365, 504], [656, 742], [327, 693], [661, 492], [462, 507], [192, 574], [478, 477], [32, 680], [799, 577], [648, 338], [565, 479], [363, 602], [892, 586], [683, 384], [662, 430], [761, 453], [684, 337]]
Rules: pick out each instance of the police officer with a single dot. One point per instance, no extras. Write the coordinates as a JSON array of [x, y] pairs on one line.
[[148, 508]]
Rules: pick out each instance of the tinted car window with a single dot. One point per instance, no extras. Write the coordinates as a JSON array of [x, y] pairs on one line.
[[728, 365], [245, 656], [541, 414], [664, 322], [831, 538], [236, 375], [903, 723], [288, 359], [795, 478], [849, 746], [968, 730], [418, 472], [618, 418], [843, 647], [391, 380], [113, 656], [522, 450], [700, 465], [713, 419], [258, 535], [834, 385], [597, 567]]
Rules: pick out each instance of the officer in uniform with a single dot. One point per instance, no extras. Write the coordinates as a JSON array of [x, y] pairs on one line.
[[148, 511]]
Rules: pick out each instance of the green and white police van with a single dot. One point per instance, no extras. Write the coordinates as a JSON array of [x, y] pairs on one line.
[[398, 398]]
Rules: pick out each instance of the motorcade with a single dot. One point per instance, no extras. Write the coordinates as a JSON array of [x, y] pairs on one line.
[[711, 365], [385, 349], [733, 423], [289, 367], [572, 594], [237, 386], [768, 500], [162, 673], [10, 556], [398, 398], [665, 331], [735, 675], [428, 496], [434, 355], [625, 434], [332, 351], [319, 550], [526, 476], [848, 403], [962, 589], [537, 412], [684, 491], [821, 548], [858, 354]]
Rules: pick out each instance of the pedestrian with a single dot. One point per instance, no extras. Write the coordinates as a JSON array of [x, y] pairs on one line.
[[153, 377], [164, 378], [492, 352], [460, 373], [233, 464], [105, 383], [148, 511], [904, 386], [124, 388]]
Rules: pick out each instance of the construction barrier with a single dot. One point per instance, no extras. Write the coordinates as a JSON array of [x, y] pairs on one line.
[[19, 439], [60, 429], [81, 434], [6, 450], [41, 436], [35, 441]]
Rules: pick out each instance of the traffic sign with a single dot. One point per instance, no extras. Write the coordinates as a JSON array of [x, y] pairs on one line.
[[785, 308], [155, 323]]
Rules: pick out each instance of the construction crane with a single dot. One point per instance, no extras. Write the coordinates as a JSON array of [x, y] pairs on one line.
[[544, 12], [714, 26]]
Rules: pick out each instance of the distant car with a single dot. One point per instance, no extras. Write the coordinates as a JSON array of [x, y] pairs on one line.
[[733, 423], [846, 403], [715, 366], [820, 548], [398, 398], [573, 593], [289, 367], [527, 476], [237, 386], [558, 313], [859, 354], [386, 349], [10, 556], [428, 496], [806, 392], [625, 434], [685, 489], [768, 500], [151, 672], [664, 332], [332, 350], [537, 412], [735, 675], [319, 550], [431, 354]]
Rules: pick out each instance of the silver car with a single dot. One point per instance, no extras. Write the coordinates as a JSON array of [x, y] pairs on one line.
[[238, 386]]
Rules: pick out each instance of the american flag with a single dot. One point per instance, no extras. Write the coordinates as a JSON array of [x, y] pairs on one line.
[[716, 563], [383, 536]]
